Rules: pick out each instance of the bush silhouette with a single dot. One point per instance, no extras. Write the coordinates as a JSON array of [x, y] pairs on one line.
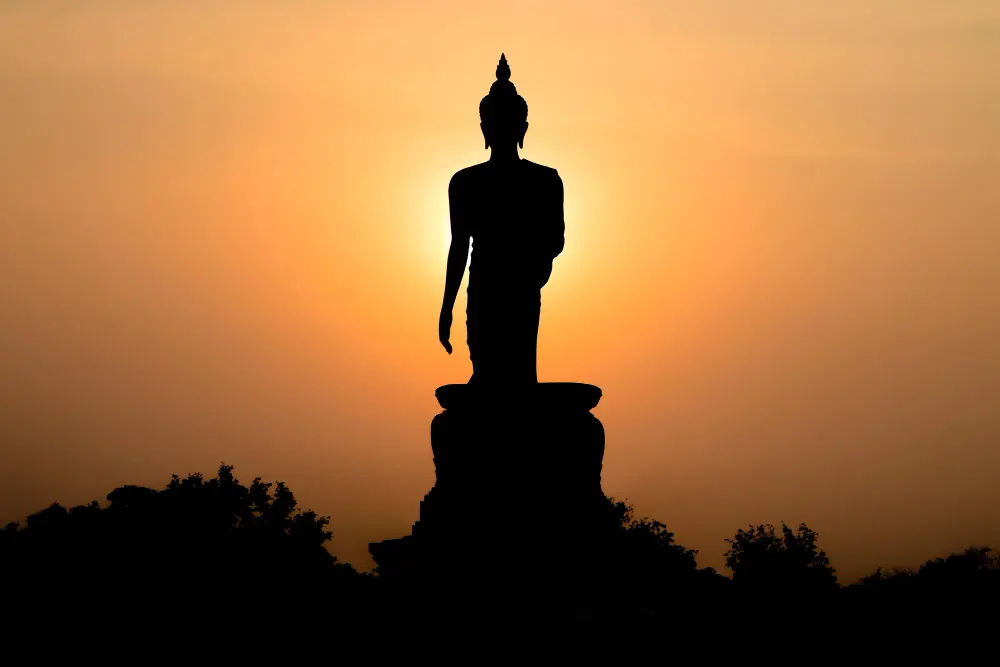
[[647, 571], [763, 560], [960, 581], [211, 544], [196, 537]]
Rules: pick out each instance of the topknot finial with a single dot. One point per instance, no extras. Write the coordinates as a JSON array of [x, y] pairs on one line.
[[503, 103], [503, 69]]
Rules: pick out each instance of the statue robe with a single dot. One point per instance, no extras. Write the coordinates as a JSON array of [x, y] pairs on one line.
[[514, 215]]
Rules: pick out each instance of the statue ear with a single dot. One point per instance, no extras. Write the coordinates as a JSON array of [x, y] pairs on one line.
[[486, 139], [520, 142]]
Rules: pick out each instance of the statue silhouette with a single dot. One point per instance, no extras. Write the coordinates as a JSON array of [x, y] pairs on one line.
[[512, 211], [505, 443]]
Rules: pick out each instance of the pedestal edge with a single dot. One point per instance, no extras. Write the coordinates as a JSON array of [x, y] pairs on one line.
[[566, 395]]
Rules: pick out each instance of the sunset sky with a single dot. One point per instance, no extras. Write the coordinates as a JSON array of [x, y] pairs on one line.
[[223, 229]]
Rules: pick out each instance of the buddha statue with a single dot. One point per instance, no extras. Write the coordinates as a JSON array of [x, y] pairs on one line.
[[511, 212]]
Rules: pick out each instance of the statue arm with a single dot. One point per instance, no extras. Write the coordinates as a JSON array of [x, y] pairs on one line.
[[458, 256]]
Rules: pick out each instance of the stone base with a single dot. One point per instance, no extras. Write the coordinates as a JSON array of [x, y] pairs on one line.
[[517, 509]]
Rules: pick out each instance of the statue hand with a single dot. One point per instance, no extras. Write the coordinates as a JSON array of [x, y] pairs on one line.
[[444, 329]]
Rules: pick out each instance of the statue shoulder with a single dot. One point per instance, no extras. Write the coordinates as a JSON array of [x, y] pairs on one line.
[[464, 177], [541, 172]]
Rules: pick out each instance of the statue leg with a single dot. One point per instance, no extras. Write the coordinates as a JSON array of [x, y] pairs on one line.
[[531, 340], [478, 339], [503, 339], [521, 340]]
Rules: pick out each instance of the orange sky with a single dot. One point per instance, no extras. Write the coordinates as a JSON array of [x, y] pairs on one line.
[[223, 230]]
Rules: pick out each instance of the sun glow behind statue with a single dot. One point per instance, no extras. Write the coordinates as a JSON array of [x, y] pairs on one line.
[[225, 227]]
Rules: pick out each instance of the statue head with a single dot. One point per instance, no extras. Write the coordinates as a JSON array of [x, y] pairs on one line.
[[503, 114]]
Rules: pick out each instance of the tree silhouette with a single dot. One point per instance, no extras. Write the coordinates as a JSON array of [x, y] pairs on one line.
[[647, 571], [215, 544], [761, 559], [970, 578], [648, 540], [193, 537]]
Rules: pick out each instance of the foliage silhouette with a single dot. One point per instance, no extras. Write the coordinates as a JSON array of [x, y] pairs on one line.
[[647, 574], [970, 578], [790, 562], [196, 536], [216, 542]]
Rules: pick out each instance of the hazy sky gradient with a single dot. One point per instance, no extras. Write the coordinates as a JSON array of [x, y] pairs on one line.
[[223, 230]]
